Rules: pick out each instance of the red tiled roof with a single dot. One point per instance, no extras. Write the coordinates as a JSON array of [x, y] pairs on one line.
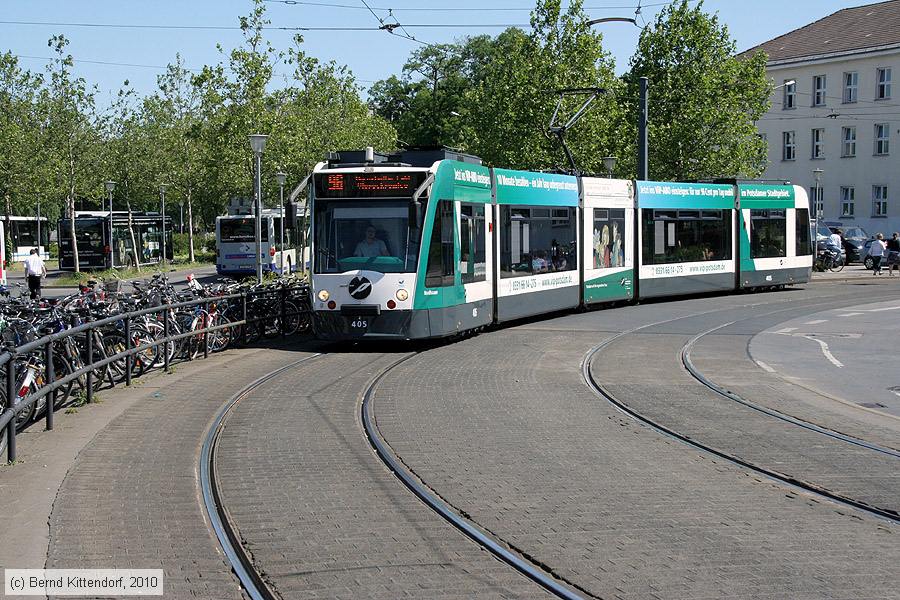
[[847, 30]]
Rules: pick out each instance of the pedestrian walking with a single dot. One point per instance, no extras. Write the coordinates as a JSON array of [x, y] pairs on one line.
[[876, 251], [893, 255], [35, 270]]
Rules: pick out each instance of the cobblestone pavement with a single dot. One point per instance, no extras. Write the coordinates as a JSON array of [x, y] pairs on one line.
[[666, 393], [320, 514], [132, 498], [502, 426], [723, 358]]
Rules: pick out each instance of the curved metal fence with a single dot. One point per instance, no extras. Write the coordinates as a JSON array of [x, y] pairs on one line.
[[263, 313]]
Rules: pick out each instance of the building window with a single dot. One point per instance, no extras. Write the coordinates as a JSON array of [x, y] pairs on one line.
[[818, 90], [848, 196], [818, 143], [882, 138], [848, 137], [790, 95], [883, 91], [879, 200], [818, 199], [789, 146], [851, 87]]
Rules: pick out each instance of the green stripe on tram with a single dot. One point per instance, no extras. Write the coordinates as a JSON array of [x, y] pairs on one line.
[[540, 189], [766, 196], [614, 286]]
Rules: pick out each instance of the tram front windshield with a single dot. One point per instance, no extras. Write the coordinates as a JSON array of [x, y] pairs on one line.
[[370, 235]]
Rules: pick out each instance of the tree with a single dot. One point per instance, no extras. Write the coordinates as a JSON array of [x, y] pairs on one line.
[[703, 100], [73, 141]]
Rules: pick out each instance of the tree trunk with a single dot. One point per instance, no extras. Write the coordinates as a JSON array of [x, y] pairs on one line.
[[134, 248], [70, 206], [190, 207]]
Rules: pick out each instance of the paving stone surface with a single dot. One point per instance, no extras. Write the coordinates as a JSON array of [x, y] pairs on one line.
[[503, 427], [724, 359], [132, 498], [663, 391], [320, 514]]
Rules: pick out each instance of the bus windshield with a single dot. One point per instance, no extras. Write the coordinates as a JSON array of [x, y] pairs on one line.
[[241, 230], [370, 235]]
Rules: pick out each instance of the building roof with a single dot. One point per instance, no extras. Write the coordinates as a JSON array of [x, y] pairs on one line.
[[850, 30]]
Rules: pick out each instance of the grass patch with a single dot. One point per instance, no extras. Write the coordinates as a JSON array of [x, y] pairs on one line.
[[74, 279]]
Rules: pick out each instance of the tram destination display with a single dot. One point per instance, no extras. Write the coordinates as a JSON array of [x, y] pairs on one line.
[[368, 185]]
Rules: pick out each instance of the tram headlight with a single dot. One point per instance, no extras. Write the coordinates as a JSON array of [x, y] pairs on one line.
[[323, 295], [402, 295]]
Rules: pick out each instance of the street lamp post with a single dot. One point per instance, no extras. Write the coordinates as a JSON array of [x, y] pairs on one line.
[[110, 186], [281, 178], [817, 173], [609, 163], [258, 145], [162, 211]]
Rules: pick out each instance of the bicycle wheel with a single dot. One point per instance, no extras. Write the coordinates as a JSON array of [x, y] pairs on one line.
[[837, 264]]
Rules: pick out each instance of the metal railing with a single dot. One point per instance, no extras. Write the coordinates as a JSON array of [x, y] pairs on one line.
[[47, 344]]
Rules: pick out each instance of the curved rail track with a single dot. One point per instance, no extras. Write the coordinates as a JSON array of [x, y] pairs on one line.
[[259, 589], [808, 487], [254, 584]]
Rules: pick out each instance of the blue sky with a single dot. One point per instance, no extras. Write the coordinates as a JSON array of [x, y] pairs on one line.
[[372, 55]]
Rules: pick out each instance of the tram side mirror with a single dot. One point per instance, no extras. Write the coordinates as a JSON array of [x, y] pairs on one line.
[[290, 215], [414, 214]]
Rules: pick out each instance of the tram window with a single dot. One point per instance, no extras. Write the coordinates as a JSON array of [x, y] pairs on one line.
[[802, 239], [680, 236], [440, 250], [472, 264], [536, 240], [768, 233], [609, 238]]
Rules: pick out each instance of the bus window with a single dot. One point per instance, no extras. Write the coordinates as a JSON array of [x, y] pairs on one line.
[[671, 236], [241, 231]]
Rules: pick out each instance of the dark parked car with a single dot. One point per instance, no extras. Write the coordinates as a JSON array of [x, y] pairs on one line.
[[854, 240]]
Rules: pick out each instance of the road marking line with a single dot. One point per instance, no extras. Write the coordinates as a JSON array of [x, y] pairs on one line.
[[850, 314], [826, 351], [766, 367], [816, 322], [785, 331], [883, 309]]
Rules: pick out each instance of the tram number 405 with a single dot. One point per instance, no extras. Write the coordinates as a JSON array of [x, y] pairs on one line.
[[359, 325]]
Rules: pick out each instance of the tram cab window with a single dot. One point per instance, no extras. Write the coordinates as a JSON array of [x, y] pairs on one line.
[[768, 233], [472, 264], [535, 240], [802, 242], [609, 238], [675, 236], [368, 235], [440, 271]]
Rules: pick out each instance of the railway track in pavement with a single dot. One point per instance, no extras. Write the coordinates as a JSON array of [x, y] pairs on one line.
[[744, 448]]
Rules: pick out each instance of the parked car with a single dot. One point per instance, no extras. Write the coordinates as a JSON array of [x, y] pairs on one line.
[[854, 239]]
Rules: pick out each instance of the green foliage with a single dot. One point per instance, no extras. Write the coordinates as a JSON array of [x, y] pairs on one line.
[[703, 100]]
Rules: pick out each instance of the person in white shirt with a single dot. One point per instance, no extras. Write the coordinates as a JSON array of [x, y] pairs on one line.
[[35, 270], [371, 246], [835, 242], [876, 251]]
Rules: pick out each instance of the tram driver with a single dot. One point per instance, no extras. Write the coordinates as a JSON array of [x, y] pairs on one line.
[[370, 246]]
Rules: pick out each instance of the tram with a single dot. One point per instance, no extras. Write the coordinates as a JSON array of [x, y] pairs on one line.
[[427, 244]]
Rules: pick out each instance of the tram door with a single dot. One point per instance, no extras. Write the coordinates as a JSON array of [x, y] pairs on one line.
[[475, 257]]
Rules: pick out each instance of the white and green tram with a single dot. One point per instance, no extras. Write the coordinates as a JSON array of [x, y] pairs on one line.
[[432, 244]]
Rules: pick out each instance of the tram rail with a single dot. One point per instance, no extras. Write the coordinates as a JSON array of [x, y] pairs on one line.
[[793, 482]]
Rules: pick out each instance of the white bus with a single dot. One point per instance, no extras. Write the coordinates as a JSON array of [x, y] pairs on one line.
[[236, 242], [23, 233]]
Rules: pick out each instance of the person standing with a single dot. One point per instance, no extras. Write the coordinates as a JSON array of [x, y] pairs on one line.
[[35, 270], [876, 251]]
